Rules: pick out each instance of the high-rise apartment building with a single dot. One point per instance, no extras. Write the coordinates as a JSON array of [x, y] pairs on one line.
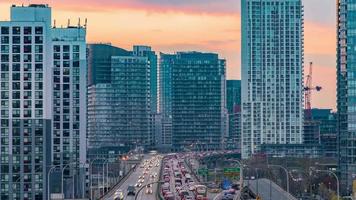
[[193, 100], [69, 106], [43, 101], [272, 68], [119, 97], [346, 92]]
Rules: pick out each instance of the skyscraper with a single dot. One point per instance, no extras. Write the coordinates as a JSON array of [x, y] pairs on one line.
[[43, 98], [272, 66], [119, 97], [25, 107], [69, 106], [193, 99], [346, 92]]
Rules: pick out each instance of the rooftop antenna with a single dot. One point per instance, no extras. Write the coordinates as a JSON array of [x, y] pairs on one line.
[[54, 24], [79, 23], [68, 23], [86, 21]]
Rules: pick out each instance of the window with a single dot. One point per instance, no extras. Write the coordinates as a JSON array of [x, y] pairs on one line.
[[16, 30], [27, 39], [5, 39], [38, 39], [66, 48], [39, 30], [16, 39], [38, 49], [5, 30], [5, 49], [16, 49], [27, 30], [56, 48], [76, 48]]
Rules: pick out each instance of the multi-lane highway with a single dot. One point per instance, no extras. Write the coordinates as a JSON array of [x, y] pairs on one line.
[[146, 172]]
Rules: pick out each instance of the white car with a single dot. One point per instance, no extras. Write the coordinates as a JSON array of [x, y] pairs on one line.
[[149, 189]]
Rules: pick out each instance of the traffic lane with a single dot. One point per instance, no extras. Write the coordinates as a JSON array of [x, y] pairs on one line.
[[269, 190], [148, 179], [131, 180]]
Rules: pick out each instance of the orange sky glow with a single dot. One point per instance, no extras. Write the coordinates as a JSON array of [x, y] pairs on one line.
[[181, 25]]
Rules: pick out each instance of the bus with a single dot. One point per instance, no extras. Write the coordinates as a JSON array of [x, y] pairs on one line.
[[200, 192]]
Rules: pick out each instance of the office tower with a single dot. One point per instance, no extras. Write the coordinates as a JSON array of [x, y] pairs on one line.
[[69, 107], [119, 98], [272, 68], [346, 92], [193, 99], [233, 105], [25, 107], [328, 130]]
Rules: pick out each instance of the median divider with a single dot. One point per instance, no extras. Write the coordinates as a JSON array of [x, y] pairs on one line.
[[120, 182], [158, 191]]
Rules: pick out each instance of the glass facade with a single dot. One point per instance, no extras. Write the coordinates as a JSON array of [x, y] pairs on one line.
[[193, 99], [272, 68], [346, 92], [119, 112]]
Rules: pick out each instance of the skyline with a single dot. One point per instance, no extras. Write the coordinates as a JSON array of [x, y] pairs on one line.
[[182, 25]]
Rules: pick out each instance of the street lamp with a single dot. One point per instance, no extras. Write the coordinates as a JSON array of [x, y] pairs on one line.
[[285, 170], [48, 177], [91, 174], [136, 196], [337, 180], [65, 166]]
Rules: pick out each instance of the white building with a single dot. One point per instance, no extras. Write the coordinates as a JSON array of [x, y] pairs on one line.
[[272, 69], [43, 101]]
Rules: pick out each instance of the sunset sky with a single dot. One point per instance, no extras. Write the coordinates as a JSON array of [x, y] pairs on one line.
[[202, 25]]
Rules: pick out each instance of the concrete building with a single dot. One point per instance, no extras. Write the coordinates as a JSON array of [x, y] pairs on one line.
[[69, 107], [119, 97], [272, 68], [25, 87], [43, 98], [193, 100], [346, 92]]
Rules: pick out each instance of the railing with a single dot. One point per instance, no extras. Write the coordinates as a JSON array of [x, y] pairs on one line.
[[158, 191]]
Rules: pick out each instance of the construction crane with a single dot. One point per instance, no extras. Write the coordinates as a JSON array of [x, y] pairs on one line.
[[308, 88]]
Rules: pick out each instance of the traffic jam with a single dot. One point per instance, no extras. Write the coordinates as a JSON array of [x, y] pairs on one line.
[[178, 182]]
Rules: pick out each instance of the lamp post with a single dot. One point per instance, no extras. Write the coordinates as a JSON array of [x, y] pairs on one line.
[[65, 166], [285, 170], [91, 174], [136, 196], [48, 177]]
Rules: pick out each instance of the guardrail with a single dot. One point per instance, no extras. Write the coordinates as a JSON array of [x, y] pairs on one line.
[[158, 191], [120, 182]]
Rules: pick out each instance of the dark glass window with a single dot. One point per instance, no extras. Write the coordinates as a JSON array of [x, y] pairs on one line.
[[5, 30], [66, 48], [57, 48], [16, 39], [16, 30], [15, 57], [27, 49], [38, 49], [16, 49], [27, 30], [39, 30], [27, 39], [38, 39], [4, 39]]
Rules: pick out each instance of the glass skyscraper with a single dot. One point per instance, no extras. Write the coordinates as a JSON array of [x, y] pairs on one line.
[[272, 69], [346, 92], [193, 100], [120, 98]]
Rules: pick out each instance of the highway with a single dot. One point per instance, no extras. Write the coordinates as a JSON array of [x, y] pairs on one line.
[[268, 190], [132, 180]]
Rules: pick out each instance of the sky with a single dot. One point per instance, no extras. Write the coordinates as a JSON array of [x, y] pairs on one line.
[[202, 25]]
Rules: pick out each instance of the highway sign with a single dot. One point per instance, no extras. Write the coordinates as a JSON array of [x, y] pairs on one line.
[[203, 171], [231, 172]]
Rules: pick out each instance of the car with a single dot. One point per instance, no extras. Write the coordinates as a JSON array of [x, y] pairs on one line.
[[119, 195], [131, 190], [138, 185], [227, 197], [149, 189]]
